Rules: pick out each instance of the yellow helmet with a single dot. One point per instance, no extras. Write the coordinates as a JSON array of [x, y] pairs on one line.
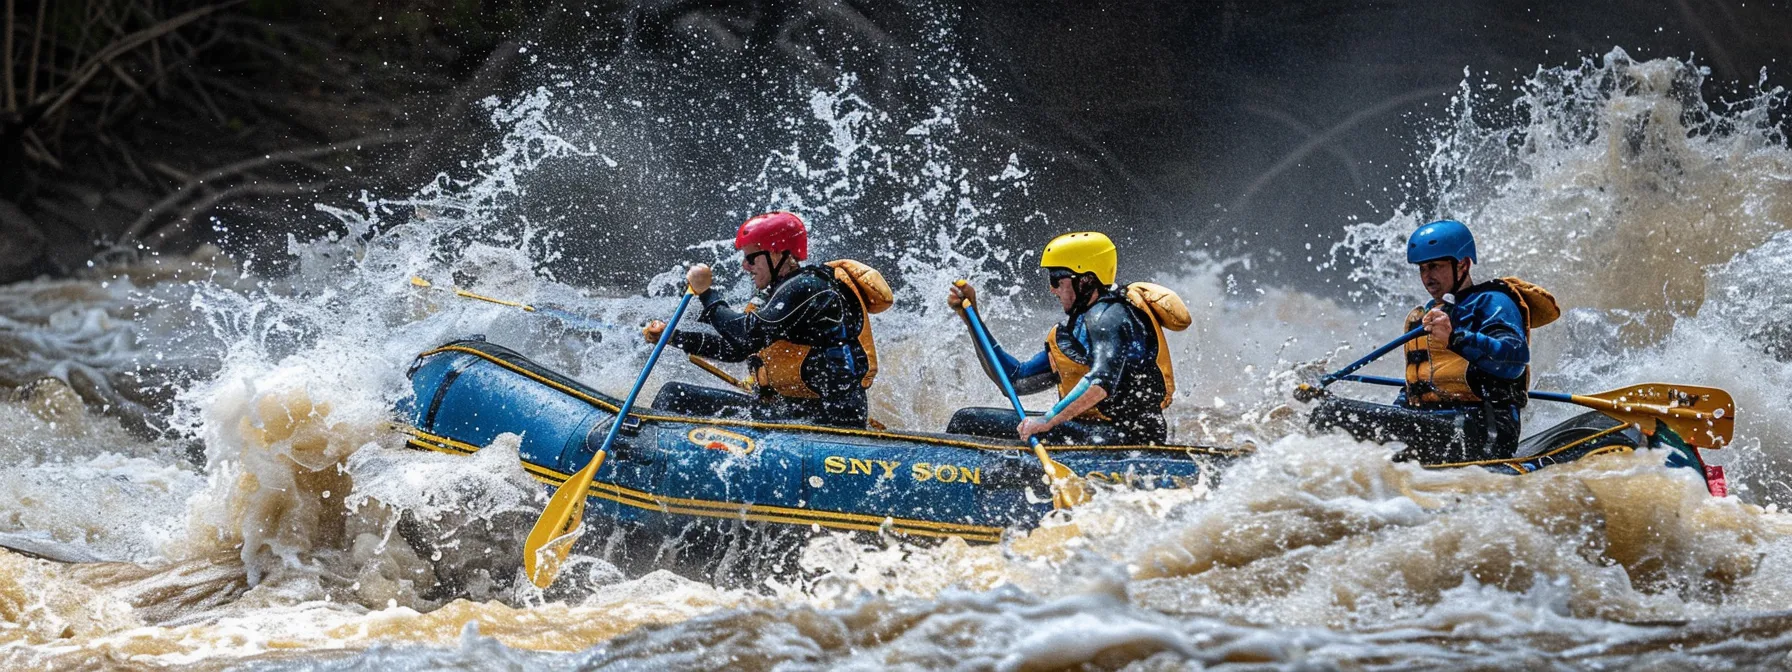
[[1084, 252]]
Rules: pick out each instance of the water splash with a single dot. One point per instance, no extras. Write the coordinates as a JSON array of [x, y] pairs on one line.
[[1615, 184], [312, 529]]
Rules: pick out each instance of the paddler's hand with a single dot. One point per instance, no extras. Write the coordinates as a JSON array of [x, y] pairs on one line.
[[652, 331], [958, 294], [699, 278], [1437, 325], [1032, 426]]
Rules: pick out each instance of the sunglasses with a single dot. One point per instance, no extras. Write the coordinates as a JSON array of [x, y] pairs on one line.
[[1057, 275], [751, 257]]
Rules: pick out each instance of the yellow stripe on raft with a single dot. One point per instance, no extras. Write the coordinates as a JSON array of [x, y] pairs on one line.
[[729, 510]]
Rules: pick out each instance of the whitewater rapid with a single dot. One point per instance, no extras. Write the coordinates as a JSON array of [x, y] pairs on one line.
[[276, 521]]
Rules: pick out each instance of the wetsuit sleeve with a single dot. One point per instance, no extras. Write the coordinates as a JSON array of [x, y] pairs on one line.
[[1110, 329], [1491, 336], [1028, 377], [710, 346], [1034, 375], [799, 309]]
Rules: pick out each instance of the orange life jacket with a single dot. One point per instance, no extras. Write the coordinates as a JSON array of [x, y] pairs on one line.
[[780, 365], [1436, 375]]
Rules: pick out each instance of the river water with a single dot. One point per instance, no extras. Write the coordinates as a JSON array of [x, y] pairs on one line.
[[269, 524]]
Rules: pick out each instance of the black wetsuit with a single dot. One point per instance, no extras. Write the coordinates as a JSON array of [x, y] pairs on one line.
[[1115, 341], [809, 307]]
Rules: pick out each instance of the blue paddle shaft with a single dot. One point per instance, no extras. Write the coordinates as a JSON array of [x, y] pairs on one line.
[[1341, 374], [628, 404], [1373, 380], [1448, 302], [1396, 382], [989, 354]]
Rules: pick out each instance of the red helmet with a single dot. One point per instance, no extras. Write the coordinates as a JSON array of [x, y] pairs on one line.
[[777, 231]]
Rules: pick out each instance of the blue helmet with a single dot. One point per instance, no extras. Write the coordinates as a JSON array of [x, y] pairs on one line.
[[1442, 239]]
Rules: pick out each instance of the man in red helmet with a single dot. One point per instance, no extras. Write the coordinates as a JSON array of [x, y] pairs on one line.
[[806, 341]]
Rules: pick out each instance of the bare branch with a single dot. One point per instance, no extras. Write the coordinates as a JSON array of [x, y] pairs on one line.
[[157, 81], [125, 77], [34, 148], [155, 62], [194, 184], [124, 45], [286, 61], [12, 96], [37, 41], [49, 67], [185, 220], [171, 171], [130, 161], [199, 88]]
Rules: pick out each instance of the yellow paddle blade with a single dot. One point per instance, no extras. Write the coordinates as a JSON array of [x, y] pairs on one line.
[[1067, 489], [551, 538], [418, 280], [1704, 417]]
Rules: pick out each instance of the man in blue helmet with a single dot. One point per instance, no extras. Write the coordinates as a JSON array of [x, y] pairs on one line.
[[1467, 377]]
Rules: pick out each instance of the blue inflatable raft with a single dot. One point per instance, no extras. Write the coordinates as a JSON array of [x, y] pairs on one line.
[[667, 472]]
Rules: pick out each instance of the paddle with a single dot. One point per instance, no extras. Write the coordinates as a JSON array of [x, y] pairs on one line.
[[748, 388], [1405, 338], [571, 319], [1703, 417], [717, 371], [1067, 489], [580, 322], [552, 536], [1306, 392]]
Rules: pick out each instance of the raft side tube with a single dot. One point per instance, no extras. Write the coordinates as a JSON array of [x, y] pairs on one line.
[[668, 469]]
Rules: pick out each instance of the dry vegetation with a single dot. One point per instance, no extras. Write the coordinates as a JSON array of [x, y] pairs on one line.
[[125, 122], [126, 125]]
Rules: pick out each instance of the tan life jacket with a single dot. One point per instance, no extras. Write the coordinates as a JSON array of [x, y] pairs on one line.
[[1162, 308], [1436, 375], [780, 366]]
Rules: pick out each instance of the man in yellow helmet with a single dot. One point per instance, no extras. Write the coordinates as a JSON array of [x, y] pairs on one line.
[[1108, 359]]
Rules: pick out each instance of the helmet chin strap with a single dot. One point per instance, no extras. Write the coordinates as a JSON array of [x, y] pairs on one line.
[[1084, 298], [778, 270], [1458, 273]]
